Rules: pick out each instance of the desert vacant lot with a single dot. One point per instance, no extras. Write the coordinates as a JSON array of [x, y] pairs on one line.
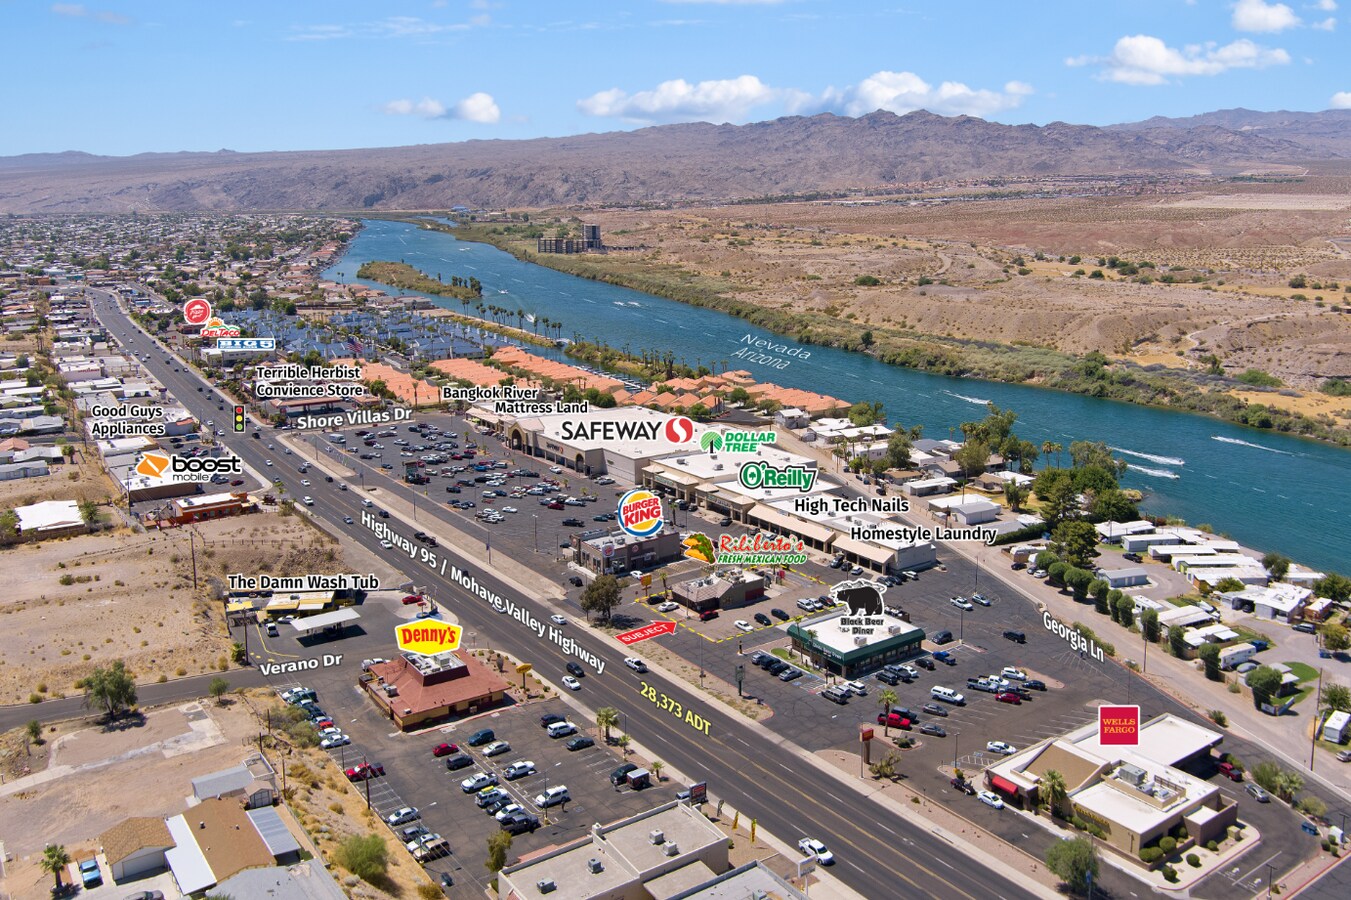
[[72, 604]]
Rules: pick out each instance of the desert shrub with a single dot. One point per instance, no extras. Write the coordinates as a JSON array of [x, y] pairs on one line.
[[1167, 844], [1151, 854], [1193, 860], [1212, 846]]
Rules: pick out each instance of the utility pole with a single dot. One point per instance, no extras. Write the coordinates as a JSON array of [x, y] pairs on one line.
[[192, 543], [1313, 738]]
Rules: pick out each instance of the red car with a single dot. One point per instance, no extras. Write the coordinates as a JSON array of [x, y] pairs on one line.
[[894, 720], [364, 771], [445, 749], [1008, 697], [708, 614], [412, 598], [555, 505], [1230, 771]]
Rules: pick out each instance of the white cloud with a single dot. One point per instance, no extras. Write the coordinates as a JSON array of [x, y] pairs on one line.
[[1144, 59], [390, 27], [1262, 17], [80, 11], [1340, 100], [723, 100], [1326, 5], [479, 107], [1328, 24], [903, 92], [729, 2]]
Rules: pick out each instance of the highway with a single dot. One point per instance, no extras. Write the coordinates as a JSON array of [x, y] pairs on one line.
[[879, 852]]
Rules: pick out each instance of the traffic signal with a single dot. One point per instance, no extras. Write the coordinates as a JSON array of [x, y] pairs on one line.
[[239, 419]]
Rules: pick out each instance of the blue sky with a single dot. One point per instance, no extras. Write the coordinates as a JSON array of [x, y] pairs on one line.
[[121, 77]]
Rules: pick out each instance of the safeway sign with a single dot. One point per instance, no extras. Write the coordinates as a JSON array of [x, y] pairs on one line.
[[656, 629], [427, 637]]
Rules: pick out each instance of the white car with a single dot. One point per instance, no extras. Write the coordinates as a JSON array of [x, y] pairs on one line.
[[743, 625], [510, 509], [387, 545], [811, 846], [403, 816], [1001, 747], [633, 573], [635, 664], [497, 748], [668, 606], [308, 501], [338, 740], [347, 520], [962, 603], [981, 599], [571, 683], [558, 620], [519, 769], [555, 469], [304, 482], [1015, 674], [991, 799], [267, 462], [477, 782], [857, 687], [508, 811]]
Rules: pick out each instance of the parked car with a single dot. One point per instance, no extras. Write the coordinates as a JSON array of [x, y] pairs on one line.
[[944, 656], [580, 743], [363, 771], [962, 603], [893, 720], [497, 748], [519, 823], [458, 761], [90, 874], [619, 775], [403, 816], [1034, 684], [743, 626], [1008, 697], [519, 769], [445, 749], [963, 785], [763, 619], [477, 782], [790, 674], [942, 637], [1257, 793], [779, 614], [1001, 747], [668, 606], [931, 728], [552, 796], [479, 738], [935, 709], [991, 799], [1230, 771]]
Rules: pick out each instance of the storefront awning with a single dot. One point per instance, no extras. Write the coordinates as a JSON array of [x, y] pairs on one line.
[[1003, 784], [786, 524], [871, 552]]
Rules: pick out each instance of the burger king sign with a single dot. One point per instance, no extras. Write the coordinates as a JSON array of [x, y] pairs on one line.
[[640, 513]]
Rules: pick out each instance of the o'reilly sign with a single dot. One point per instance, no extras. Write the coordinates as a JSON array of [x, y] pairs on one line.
[[755, 475]]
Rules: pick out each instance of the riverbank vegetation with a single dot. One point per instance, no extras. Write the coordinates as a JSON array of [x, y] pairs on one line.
[[1093, 374], [405, 277]]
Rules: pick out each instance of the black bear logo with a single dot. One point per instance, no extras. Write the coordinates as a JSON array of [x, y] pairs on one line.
[[864, 598]]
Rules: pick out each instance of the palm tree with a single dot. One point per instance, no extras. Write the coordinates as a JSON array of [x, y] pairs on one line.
[[888, 699], [656, 767], [1053, 789], [607, 717], [54, 860], [1049, 447]]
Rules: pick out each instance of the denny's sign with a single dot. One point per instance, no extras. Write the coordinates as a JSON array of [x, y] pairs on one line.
[[1119, 725], [427, 637]]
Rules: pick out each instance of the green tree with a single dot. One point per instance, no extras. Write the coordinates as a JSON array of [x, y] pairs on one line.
[[865, 412], [601, 596], [1149, 625], [1265, 774], [54, 862], [1335, 696], [1210, 658], [1076, 542], [972, 457], [1333, 586], [1113, 506], [1016, 495], [1177, 643], [1227, 585], [111, 689], [1045, 559], [218, 688], [1098, 590], [1276, 564], [1078, 580], [365, 856], [499, 845], [9, 526], [899, 447], [1053, 790], [1335, 637], [1288, 784], [90, 513], [1058, 497], [607, 717], [1125, 611], [33, 730], [1087, 454], [1265, 683], [1057, 570], [888, 698], [1075, 861]]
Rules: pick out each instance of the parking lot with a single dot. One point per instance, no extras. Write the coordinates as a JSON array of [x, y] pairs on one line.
[[414, 777]]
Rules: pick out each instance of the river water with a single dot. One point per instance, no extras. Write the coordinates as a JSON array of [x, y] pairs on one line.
[[1264, 489]]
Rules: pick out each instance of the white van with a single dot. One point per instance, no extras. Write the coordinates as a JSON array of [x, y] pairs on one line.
[[552, 796], [947, 695], [367, 503], [336, 438], [561, 729]]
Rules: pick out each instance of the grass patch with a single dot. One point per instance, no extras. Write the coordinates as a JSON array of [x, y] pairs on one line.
[[1303, 671]]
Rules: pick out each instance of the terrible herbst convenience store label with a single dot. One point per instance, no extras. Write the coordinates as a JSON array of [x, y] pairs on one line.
[[1119, 725]]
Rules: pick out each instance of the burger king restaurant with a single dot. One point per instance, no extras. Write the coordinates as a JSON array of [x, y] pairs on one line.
[[607, 552]]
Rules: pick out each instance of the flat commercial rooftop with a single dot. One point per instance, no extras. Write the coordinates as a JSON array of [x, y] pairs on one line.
[[840, 638]]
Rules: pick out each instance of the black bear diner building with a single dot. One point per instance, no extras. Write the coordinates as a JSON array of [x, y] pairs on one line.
[[838, 645]]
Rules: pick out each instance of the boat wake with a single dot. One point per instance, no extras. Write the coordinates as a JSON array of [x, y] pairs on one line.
[[1165, 460], [1229, 440], [968, 399], [1154, 473]]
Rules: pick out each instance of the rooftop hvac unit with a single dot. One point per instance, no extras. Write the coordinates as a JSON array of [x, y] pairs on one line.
[[894, 629], [717, 467], [672, 849], [546, 885], [860, 640], [656, 837], [595, 866]]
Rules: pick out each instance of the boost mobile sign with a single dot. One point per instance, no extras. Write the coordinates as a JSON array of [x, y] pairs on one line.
[[187, 468]]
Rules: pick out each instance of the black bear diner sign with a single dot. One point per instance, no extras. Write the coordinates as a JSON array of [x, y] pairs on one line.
[[864, 601]]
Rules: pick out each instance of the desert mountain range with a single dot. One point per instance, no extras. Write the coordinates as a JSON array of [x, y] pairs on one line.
[[663, 163]]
